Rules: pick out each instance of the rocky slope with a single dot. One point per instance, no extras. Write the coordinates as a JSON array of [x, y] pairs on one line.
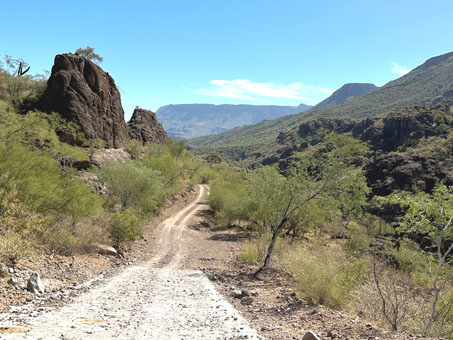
[[412, 147], [192, 120], [345, 93], [144, 127], [83, 93]]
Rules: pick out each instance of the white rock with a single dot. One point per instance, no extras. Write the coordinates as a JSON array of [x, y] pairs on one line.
[[105, 250], [310, 335], [35, 284]]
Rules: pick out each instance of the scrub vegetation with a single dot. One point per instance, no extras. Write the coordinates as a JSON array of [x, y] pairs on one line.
[[318, 219]]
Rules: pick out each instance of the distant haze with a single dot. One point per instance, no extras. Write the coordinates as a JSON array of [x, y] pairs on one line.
[[193, 120]]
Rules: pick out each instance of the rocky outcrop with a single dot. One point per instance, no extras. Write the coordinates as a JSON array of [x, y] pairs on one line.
[[83, 93], [100, 157], [144, 127]]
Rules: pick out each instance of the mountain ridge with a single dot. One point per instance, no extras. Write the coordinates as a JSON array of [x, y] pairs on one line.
[[193, 120], [426, 85]]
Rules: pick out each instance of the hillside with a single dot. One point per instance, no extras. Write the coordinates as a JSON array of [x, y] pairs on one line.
[[346, 92], [411, 147], [428, 84], [193, 120]]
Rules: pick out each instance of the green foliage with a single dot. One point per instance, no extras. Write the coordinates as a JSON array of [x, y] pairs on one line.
[[252, 252], [135, 148], [325, 275], [358, 239], [430, 214], [88, 53], [124, 227], [18, 226], [42, 185], [207, 175], [324, 179], [132, 185], [413, 261], [229, 198], [21, 90]]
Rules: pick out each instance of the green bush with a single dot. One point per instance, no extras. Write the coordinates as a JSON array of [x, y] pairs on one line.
[[358, 239], [413, 261], [132, 185], [125, 227], [43, 186], [325, 276], [135, 148], [252, 252], [207, 175], [229, 198]]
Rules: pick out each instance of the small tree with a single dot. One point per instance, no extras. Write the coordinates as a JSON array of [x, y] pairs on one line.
[[325, 174], [88, 53], [433, 215]]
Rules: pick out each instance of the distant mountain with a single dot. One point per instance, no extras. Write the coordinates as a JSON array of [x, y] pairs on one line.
[[193, 120], [427, 85], [345, 93]]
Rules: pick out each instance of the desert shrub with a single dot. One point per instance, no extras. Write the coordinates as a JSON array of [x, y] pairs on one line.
[[403, 309], [20, 90], [253, 250], [124, 227], [207, 175], [413, 261], [325, 275], [357, 238], [443, 326], [65, 235], [132, 185], [251, 253], [18, 226], [13, 246], [135, 148], [229, 198], [43, 186]]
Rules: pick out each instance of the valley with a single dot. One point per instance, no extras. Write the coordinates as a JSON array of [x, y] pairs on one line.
[[228, 220]]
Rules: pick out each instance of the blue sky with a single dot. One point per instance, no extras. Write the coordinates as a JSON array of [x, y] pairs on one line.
[[228, 51]]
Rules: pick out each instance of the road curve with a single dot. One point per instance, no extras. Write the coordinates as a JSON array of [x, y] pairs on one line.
[[157, 300]]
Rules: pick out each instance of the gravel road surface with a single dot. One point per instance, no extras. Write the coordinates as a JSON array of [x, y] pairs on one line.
[[156, 300]]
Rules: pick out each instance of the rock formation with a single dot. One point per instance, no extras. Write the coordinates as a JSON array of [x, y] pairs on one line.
[[144, 127], [83, 93]]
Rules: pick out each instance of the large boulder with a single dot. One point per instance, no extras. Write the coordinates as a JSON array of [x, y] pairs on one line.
[[83, 93], [144, 127]]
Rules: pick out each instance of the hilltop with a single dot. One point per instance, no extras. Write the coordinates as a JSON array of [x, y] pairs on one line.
[[346, 92]]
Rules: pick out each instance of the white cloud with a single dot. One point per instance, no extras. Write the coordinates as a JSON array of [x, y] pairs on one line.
[[247, 90], [399, 69]]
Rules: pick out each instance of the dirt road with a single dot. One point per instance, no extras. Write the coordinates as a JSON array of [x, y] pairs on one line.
[[156, 300]]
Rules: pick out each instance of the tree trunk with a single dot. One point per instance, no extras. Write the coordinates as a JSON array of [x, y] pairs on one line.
[[270, 249]]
